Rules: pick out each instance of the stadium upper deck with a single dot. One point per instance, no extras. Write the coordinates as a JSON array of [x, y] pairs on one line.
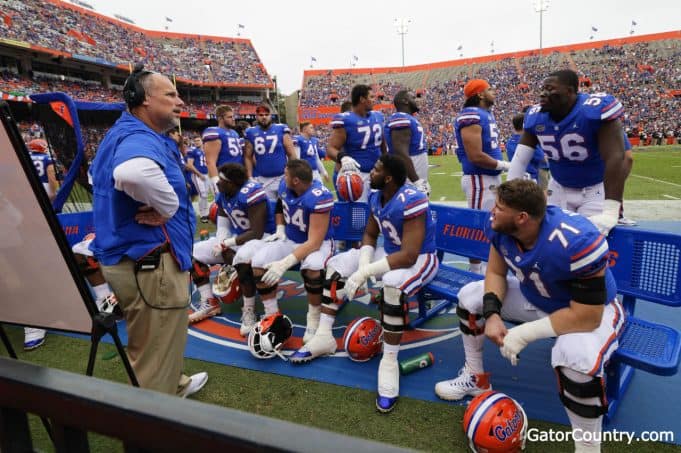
[[73, 32], [636, 69]]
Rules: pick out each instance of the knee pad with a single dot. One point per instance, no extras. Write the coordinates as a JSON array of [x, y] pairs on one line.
[[333, 292], [200, 273], [470, 323], [87, 265], [313, 285], [245, 273], [263, 290], [393, 304], [470, 296], [595, 388]]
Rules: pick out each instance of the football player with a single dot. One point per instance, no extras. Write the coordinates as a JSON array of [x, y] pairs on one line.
[[303, 236], [221, 143], [404, 136], [44, 166], [196, 163], [243, 211], [267, 147], [356, 138], [583, 139], [537, 159], [478, 137], [405, 262], [561, 287], [308, 150]]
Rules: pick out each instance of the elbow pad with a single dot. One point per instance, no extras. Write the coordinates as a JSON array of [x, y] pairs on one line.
[[522, 157], [589, 291]]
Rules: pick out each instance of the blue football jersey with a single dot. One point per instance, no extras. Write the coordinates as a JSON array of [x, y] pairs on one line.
[[199, 159], [537, 158], [320, 148], [406, 204], [230, 152], [308, 150], [571, 145], [237, 206], [363, 137], [297, 209], [41, 161], [268, 149], [401, 120], [569, 247], [470, 116]]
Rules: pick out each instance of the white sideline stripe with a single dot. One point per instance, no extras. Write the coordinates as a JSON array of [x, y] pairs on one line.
[[656, 180], [669, 196], [439, 173]]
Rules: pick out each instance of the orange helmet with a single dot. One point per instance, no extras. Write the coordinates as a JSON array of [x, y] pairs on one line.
[[350, 186], [267, 337], [213, 213], [363, 339], [495, 423], [37, 145]]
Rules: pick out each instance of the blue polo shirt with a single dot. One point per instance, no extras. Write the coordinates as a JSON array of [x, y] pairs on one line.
[[118, 234]]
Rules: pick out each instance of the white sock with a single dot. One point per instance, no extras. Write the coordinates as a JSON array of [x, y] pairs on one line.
[[101, 291], [271, 306], [472, 347], [390, 351], [592, 425], [205, 292], [325, 323], [249, 303], [313, 315], [475, 267]]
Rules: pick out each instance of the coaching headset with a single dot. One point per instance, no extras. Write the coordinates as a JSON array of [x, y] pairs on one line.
[[133, 91]]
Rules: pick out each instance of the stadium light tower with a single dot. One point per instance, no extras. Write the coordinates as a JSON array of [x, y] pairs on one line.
[[402, 26], [541, 6]]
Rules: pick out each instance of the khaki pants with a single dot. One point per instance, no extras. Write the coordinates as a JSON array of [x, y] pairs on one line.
[[156, 336]]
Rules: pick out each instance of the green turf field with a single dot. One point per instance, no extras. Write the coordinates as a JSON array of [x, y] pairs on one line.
[[414, 424], [656, 175]]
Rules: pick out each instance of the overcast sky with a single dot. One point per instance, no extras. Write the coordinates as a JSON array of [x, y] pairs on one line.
[[286, 34]]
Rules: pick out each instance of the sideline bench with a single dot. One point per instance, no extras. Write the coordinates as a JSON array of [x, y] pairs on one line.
[[646, 266]]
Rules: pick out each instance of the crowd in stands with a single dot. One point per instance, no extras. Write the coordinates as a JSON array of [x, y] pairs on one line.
[[14, 84], [638, 74], [67, 30]]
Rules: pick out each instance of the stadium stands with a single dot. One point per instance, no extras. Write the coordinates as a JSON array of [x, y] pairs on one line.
[[85, 35], [636, 70]]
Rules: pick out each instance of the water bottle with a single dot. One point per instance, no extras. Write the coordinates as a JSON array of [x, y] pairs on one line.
[[416, 362]]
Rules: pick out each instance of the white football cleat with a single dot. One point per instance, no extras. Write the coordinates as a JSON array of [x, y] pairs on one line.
[[208, 308], [196, 383], [321, 344], [33, 338], [248, 320], [624, 221], [388, 385], [465, 384]]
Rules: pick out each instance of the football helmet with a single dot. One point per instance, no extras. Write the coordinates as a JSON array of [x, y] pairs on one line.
[[495, 423], [213, 213], [350, 186], [363, 339], [37, 145], [226, 285], [268, 336]]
